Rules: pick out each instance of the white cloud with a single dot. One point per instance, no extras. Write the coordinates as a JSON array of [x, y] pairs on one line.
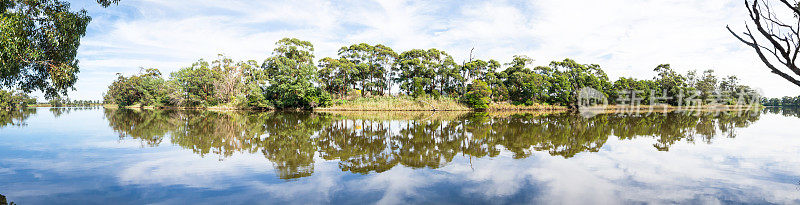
[[626, 37]]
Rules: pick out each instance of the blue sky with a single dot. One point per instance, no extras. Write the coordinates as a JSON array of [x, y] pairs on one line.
[[626, 37]]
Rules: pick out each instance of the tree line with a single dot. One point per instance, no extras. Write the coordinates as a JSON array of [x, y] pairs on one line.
[[15, 100], [784, 101], [290, 78]]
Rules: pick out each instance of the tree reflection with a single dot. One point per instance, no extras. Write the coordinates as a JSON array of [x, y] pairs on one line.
[[15, 117], [364, 143], [784, 111], [60, 111]]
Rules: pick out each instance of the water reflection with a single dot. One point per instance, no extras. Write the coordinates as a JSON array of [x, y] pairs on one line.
[[376, 142], [61, 111], [785, 111], [15, 117]]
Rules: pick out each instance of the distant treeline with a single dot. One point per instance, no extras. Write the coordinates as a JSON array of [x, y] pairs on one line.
[[784, 101], [58, 102], [291, 79], [15, 100]]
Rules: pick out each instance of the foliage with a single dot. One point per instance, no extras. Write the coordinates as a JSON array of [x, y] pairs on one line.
[[478, 96], [523, 85], [784, 101], [370, 66], [195, 85], [106, 3], [428, 72], [14, 100], [291, 75], [289, 79], [627, 88], [146, 89], [39, 40], [568, 76]]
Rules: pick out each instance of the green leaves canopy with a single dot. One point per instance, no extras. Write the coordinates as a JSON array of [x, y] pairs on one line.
[[39, 40]]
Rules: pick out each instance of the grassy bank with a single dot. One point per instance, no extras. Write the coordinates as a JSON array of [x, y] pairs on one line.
[[430, 115], [401, 103], [406, 103], [505, 106], [229, 106]]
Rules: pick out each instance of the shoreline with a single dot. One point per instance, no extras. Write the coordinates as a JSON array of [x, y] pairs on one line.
[[495, 107]]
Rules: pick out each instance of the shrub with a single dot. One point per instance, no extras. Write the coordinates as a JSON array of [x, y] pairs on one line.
[[478, 95]]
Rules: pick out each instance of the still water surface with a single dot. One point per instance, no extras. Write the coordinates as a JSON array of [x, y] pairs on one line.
[[119, 156]]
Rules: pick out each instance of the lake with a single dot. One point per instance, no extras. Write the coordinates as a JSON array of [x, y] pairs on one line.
[[121, 156]]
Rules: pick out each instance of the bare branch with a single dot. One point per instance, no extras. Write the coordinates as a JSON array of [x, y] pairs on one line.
[[783, 39]]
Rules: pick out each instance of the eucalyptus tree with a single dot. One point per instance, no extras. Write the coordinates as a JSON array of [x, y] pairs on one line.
[[416, 70], [523, 84], [707, 85], [673, 84], [474, 69], [291, 74], [39, 41], [337, 75], [429, 71], [195, 85], [373, 63], [230, 84], [14, 100], [493, 79], [448, 76], [570, 76], [627, 89], [146, 88]]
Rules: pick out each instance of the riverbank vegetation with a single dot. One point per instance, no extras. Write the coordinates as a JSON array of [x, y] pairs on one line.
[[784, 101], [15, 100], [364, 76]]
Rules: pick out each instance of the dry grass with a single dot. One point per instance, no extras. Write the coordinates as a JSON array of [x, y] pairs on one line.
[[390, 103], [397, 115], [405, 103], [500, 106], [429, 115]]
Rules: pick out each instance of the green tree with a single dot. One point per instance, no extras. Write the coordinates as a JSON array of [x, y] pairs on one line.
[[569, 76], [494, 80], [673, 84], [432, 71], [39, 40], [523, 84], [337, 75], [478, 96], [707, 85], [626, 89], [195, 85], [416, 71], [146, 89], [373, 65], [291, 75], [15, 100]]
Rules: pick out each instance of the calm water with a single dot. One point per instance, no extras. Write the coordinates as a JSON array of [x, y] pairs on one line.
[[102, 156]]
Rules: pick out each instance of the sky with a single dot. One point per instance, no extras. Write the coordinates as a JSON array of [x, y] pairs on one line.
[[628, 38]]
